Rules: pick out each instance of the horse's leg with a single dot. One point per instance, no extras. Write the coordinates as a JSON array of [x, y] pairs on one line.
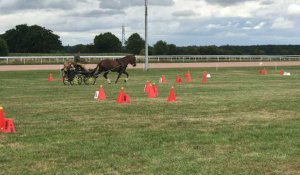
[[120, 73], [127, 75], [105, 76]]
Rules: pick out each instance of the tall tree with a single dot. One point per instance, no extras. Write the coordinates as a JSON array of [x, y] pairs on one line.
[[32, 39], [135, 44], [3, 48], [107, 42], [172, 49], [161, 48]]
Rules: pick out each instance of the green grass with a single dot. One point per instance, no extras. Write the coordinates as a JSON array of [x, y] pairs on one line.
[[237, 123]]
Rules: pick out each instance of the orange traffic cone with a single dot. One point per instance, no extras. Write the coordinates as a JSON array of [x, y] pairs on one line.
[[101, 94], [155, 89], [178, 79], [50, 78], [8, 124], [162, 79], [172, 96], [151, 93], [188, 77], [147, 87], [204, 77], [126, 99], [265, 71], [122, 97], [2, 119], [281, 72]]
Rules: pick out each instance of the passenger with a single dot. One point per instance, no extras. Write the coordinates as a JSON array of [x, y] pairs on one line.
[[79, 62]]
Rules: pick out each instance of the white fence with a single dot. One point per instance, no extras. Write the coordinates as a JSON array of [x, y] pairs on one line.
[[153, 58]]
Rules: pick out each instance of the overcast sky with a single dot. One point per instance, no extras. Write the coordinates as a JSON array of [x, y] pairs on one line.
[[180, 22]]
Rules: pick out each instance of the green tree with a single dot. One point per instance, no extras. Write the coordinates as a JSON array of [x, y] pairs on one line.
[[135, 44], [172, 49], [3, 48], [161, 48], [32, 39], [107, 42], [89, 48]]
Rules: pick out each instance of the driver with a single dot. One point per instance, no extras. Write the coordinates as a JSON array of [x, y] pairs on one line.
[[78, 61]]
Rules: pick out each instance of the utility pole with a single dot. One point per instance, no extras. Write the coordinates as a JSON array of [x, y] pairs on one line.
[[123, 35], [146, 36]]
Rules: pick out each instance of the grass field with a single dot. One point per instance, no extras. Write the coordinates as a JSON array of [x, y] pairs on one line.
[[237, 123]]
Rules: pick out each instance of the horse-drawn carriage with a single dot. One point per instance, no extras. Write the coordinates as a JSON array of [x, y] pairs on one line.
[[75, 74]]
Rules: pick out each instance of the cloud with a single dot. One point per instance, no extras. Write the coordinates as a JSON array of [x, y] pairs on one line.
[[182, 22], [214, 26], [282, 23], [226, 2], [253, 26], [294, 9], [123, 4], [184, 13], [259, 26], [96, 13], [17, 5]]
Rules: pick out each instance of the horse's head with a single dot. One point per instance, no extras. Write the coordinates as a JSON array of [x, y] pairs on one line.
[[132, 60]]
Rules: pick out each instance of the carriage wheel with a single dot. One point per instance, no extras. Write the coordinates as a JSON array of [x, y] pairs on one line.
[[65, 80], [77, 80], [89, 80]]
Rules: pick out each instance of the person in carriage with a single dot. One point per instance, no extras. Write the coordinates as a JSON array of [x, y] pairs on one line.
[[78, 61]]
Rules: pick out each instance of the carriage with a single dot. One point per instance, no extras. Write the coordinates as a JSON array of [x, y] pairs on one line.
[[75, 74]]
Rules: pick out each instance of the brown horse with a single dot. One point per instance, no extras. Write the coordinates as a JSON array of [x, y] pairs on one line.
[[118, 65]]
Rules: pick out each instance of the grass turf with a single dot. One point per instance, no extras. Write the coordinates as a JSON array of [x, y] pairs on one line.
[[237, 123]]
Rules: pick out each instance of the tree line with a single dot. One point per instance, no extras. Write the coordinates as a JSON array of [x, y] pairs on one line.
[[37, 39]]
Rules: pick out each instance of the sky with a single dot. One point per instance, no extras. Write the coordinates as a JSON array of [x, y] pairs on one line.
[[179, 22]]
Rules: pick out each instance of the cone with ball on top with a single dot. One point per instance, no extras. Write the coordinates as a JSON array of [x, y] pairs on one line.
[[265, 71], [147, 87], [172, 96], [178, 79], [101, 94], [163, 79], [6, 124], [122, 97], [188, 77], [281, 72], [155, 89], [50, 78], [2, 119], [151, 93], [204, 77]]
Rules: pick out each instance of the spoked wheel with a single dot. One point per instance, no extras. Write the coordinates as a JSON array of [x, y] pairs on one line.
[[89, 80], [64, 77], [65, 81], [77, 80]]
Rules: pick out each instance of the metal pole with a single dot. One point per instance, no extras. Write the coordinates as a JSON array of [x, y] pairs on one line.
[[146, 36]]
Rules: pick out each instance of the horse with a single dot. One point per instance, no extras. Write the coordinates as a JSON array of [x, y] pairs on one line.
[[118, 65]]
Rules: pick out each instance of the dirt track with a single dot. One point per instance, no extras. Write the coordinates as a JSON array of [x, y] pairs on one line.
[[158, 65]]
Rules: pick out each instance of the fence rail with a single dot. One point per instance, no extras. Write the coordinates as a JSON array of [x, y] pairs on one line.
[[153, 58]]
